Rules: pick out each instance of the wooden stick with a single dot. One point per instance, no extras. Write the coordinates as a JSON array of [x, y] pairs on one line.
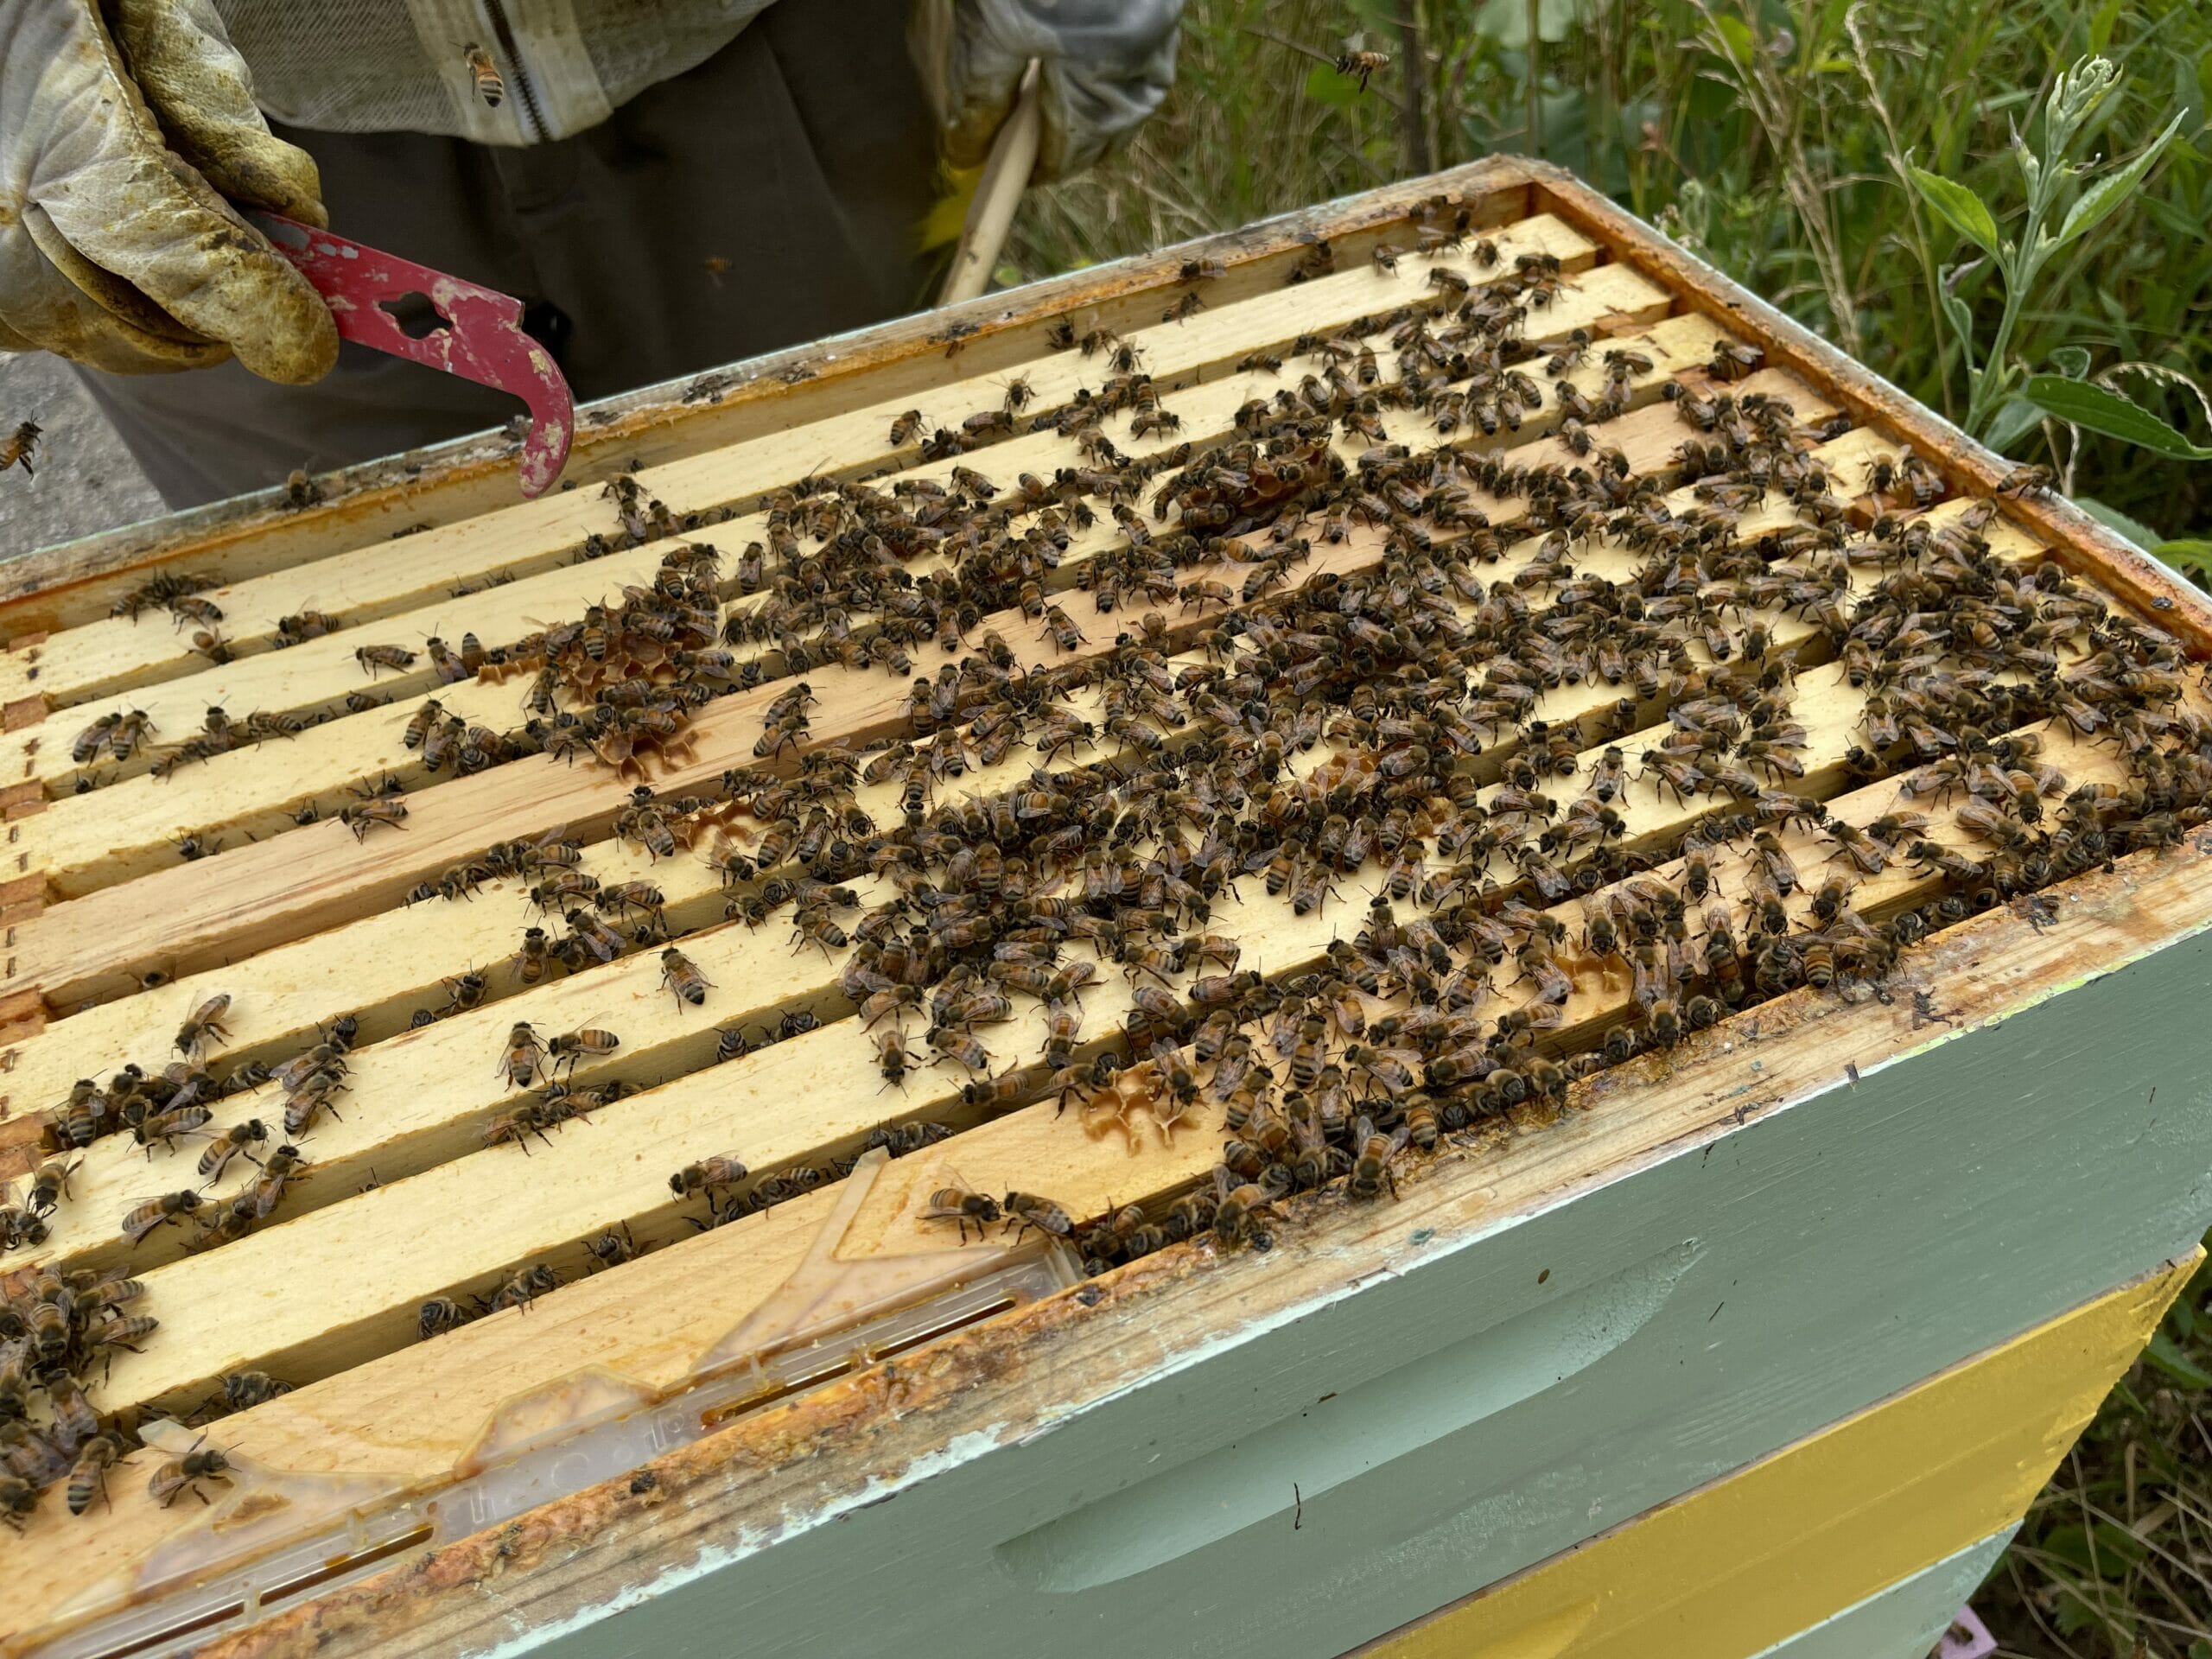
[[1005, 175]]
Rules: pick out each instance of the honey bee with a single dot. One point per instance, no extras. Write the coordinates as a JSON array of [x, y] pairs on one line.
[[206, 1023], [202, 1462], [364, 815], [282, 1169], [904, 427], [439, 1315], [1360, 65], [155, 1212], [128, 733], [526, 1287], [1026, 1210], [1237, 1207], [1734, 361], [523, 1057], [1371, 1169], [231, 1143], [959, 1047], [530, 959], [243, 1390], [96, 1455], [484, 75], [372, 657], [17, 447], [573, 1047], [707, 1175], [962, 1205], [90, 741]]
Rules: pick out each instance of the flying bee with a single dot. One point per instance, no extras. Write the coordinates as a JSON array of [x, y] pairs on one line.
[[904, 428], [483, 75], [963, 1206], [17, 449], [1360, 65]]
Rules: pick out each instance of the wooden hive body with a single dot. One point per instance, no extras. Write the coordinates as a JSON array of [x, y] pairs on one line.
[[1573, 1311]]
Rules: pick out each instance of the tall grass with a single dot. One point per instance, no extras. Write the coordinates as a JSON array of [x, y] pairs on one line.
[[1773, 138]]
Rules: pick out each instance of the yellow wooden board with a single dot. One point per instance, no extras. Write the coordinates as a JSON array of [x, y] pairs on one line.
[[1735, 1567]]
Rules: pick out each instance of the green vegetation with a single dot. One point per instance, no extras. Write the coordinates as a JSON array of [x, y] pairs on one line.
[[1856, 163], [1784, 142]]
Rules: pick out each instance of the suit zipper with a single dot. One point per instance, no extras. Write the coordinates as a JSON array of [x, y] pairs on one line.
[[532, 118]]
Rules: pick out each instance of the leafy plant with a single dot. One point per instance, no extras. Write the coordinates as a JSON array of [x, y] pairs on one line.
[[2005, 399]]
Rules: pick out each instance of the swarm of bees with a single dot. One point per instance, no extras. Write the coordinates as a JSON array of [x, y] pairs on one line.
[[1371, 745]]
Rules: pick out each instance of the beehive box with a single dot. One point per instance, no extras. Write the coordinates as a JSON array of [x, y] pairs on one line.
[[1446, 648]]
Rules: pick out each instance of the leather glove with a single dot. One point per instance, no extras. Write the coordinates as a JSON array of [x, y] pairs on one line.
[[116, 247], [1106, 66]]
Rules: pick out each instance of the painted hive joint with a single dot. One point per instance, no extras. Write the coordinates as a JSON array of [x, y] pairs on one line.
[[1187, 783]]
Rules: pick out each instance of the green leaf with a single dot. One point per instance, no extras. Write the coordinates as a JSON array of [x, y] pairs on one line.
[[2093, 407], [2189, 553], [2014, 419], [2164, 1353], [1959, 208], [1955, 312], [2072, 361], [1736, 35], [1504, 23], [2107, 193], [2100, 26], [2114, 520]]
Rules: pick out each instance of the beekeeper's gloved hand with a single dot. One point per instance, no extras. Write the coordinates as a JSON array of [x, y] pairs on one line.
[[1106, 66], [115, 249]]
